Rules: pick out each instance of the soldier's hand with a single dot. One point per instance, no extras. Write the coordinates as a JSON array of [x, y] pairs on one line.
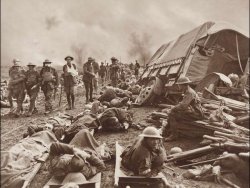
[[81, 153]]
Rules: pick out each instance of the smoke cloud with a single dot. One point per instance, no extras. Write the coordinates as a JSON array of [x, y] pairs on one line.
[[33, 30], [139, 48]]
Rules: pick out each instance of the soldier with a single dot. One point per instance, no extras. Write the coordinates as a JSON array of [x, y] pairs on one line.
[[189, 108], [69, 73], [32, 87], [146, 156], [87, 79], [114, 68], [96, 69], [16, 86], [102, 72], [137, 68], [49, 84]]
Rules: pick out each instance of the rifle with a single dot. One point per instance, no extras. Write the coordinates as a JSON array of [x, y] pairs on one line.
[[60, 97]]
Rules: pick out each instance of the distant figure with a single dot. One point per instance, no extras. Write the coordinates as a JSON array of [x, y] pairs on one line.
[[69, 74], [96, 69], [49, 84], [137, 67], [131, 66], [16, 86], [114, 69], [102, 72], [87, 79], [32, 87]]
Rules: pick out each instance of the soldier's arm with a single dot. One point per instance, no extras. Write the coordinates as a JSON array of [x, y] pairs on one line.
[[87, 72], [60, 148]]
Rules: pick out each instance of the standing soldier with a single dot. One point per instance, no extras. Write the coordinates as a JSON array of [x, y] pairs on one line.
[[69, 74], [96, 69], [102, 72], [114, 75], [87, 79], [32, 87], [137, 68], [16, 86], [49, 84]]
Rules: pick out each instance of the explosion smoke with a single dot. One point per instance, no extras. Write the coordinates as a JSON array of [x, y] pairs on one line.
[[139, 48]]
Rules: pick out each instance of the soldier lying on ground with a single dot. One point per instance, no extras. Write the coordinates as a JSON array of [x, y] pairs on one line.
[[115, 119], [110, 93], [146, 155], [78, 156]]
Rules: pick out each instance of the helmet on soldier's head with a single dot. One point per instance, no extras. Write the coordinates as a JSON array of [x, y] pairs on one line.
[[113, 59], [183, 80], [69, 57], [90, 59], [31, 64], [150, 132], [47, 61], [15, 60]]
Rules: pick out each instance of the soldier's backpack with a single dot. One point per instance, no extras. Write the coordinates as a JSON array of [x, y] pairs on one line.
[[48, 76]]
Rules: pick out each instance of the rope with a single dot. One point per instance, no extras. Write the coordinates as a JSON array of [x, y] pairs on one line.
[[238, 53]]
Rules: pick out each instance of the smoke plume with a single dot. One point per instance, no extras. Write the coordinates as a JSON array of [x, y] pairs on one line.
[[140, 47]]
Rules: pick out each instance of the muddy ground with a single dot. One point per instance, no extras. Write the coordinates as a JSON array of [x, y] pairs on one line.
[[12, 130]]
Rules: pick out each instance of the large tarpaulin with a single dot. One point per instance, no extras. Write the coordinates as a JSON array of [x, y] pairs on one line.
[[179, 47]]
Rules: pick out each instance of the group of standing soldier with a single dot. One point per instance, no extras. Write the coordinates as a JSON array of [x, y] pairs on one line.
[[29, 82]]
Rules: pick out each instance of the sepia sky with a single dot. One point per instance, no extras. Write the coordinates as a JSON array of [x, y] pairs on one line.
[[33, 30]]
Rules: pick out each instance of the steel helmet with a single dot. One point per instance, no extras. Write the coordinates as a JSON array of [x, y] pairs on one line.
[[16, 60], [151, 132], [183, 80], [175, 150], [31, 64]]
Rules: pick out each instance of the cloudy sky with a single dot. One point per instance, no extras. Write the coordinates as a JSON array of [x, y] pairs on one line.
[[33, 30]]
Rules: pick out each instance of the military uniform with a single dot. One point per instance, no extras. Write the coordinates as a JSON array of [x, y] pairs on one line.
[[141, 160], [114, 69], [96, 69], [32, 87], [189, 109], [16, 87], [102, 73], [49, 83], [61, 155], [69, 73], [87, 78]]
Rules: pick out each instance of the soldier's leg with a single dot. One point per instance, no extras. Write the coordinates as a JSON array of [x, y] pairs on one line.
[[33, 95], [10, 93], [67, 91], [86, 84], [50, 97], [72, 93], [91, 91], [20, 99]]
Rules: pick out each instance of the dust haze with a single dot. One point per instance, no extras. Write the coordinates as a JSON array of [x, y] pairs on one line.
[[33, 30]]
